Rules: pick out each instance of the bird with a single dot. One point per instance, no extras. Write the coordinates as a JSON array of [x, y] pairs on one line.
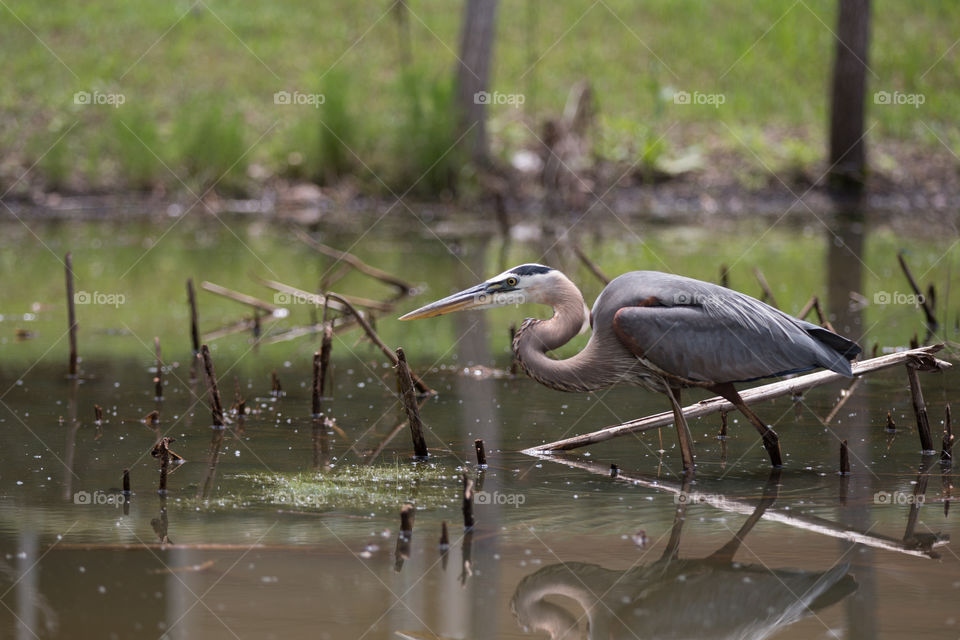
[[660, 331]]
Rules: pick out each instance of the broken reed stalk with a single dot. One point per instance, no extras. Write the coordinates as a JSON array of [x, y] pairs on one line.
[[71, 316], [227, 330], [373, 455], [158, 379], [767, 293], [421, 387], [335, 277], [302, 295], [821, 317], [409, 398], [468, 520], [920, 410], [891, 425], [807, 308], [723, 425], [315, 403], [481, 453], [216, 408], [922, 357], [326, 349], [444, 536], [844, 459], [724, 276], [238, 398], [355, 262], [243, 298], [924, 303], [194, 330], [97, 414], [814, 305], [590, 264], [126, 482], [275, 388], [614, 470], [162, 451], [946, 452]]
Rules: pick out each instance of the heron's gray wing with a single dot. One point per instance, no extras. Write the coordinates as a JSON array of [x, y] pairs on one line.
[[723, 341]]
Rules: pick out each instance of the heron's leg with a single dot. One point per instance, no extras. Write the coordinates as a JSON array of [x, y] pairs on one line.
[[771, 442], [684, 438]]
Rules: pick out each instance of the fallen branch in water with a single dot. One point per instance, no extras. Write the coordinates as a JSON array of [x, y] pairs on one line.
[[158, 379], [590, 264], [227, 330], [194, 331], [72, 369], [924, 303], [405, 287], [243, 298], [216, 406], [922, 357], [409, 399], [318, 299], [946, 451], [767, 293], [339, 325], [361, 318]]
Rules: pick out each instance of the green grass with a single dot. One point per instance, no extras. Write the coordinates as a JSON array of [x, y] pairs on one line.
[[199, 83]]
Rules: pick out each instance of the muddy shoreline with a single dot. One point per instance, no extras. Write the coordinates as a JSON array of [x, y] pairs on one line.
[[919, 193]]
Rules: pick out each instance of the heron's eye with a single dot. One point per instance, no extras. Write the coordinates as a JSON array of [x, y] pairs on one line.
[[511, 281]]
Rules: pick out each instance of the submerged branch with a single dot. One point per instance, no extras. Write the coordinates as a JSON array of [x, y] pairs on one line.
[[922, 358]]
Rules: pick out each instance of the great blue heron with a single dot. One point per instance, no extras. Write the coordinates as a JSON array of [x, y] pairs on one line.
[[657, 330]]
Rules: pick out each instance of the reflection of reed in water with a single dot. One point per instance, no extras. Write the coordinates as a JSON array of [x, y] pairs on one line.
[[712, 597]]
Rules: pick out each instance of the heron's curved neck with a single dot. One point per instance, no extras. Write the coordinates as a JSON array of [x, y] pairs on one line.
[[536, 337]]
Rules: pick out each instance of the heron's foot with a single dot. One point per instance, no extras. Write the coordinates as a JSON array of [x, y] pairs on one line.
[[771, 442]]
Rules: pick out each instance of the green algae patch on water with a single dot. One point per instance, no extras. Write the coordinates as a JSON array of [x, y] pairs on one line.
[[346, 487]]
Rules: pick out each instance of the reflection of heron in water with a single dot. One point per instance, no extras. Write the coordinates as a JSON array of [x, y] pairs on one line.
[[711, 597]]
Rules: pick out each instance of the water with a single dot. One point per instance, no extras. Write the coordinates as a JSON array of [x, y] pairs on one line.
[[298, 537]]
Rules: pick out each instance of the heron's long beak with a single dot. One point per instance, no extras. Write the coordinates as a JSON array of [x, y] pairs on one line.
[[471, 298]]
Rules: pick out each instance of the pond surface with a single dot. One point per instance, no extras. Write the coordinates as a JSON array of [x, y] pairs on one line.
[[297, 535]]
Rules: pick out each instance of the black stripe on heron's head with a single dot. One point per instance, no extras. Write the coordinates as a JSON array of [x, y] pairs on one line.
[[530, 269]]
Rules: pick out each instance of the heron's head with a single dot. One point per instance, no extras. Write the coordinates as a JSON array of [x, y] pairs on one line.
[[525, 283]]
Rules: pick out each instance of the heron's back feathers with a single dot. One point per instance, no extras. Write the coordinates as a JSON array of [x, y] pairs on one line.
[[708, 333]]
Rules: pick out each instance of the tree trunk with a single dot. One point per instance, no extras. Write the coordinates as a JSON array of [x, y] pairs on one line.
[[847, 147], [473, 73]]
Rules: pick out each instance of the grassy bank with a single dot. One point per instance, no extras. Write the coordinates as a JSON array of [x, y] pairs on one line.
[[197, 85]]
